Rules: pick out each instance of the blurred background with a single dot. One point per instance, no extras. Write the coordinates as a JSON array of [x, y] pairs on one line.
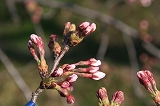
[[126, 40]]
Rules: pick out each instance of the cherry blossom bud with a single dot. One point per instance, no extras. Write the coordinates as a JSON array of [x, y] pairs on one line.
[[70, 67], [64, 84], [57, 73], [72, 78], [93, 69], [39, 43], [83, 25], [32, 50], [103, 97], [85, 29], [117, 98], [70, 99], [151, 79], [54, 45], [143, 79], [98, 75], [94, 62]]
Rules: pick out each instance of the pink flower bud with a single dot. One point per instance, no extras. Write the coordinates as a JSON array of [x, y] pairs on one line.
[[32, 50], [98, 75], [143, 79], [57, 73], [94, 62], [85, 29], [72, 78], [93, 26], [70, 67], [151, 79], [117, 98], [93, 69], [102, 96], [38, 42], [64, 84], [83, 25], [70, 99]]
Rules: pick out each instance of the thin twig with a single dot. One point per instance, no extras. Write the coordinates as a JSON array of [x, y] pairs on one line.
[[13, 11], [103, 44], [36, 94], [56, 61], [15, 75], [134, 67]]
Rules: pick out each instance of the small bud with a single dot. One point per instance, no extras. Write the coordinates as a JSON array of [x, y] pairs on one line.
[[57, 73], [64, 84], [85, 29], [72, 78], [117, 98], [94, 62], [70, 99], [39, 43], [54, 45], [83, 25], [102, 96], [70, 67], [143, 79], [93, 69], [32, 50], [98, 75]]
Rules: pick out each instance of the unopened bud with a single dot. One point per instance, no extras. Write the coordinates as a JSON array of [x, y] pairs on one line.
[[102, 96], [70, 99], [98, 75], [72, 78], [57, 73], [117, 98], [94, 62], [70, 67]]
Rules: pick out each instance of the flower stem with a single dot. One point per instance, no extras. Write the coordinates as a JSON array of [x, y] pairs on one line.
[[56, 61], [36, 94]]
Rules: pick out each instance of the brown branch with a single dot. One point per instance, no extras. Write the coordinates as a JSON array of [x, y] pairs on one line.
[[15, 75]]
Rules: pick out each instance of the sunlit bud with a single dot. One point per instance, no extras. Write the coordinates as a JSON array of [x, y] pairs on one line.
[[98, 75], [151, 79], [67, 28], [32, 50], [70, 67], [86, 28], [93, 69], [72, 28], [93, 26], [54, 45], [64, 84], [83, 25], [72, 78], [70, 99], [57, 73], [117, 98], [94, 62], [39, 43], [102, 97], [143, 79]]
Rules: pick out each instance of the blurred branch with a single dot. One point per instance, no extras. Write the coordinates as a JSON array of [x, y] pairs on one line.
[[13, 11], [151, 49], [134, 67], [124, 28], [103, 44], [15, 75]]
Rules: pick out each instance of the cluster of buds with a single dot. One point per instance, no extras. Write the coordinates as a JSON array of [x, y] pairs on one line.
[[38, 42], [73, 35], [61, 78], [117, 98], [146, 79], [34, 10]]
